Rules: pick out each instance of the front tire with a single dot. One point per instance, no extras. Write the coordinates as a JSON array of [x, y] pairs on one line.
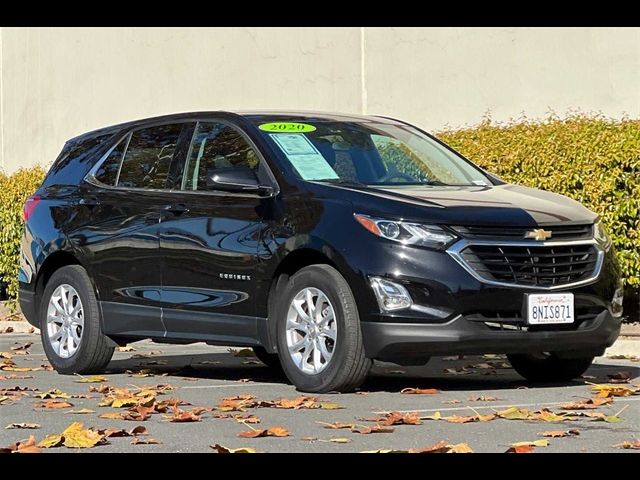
[[318, 332], [548, 367], [70, 324]]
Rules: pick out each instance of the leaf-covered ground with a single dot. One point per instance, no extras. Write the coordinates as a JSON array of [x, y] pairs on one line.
[[212, 399]]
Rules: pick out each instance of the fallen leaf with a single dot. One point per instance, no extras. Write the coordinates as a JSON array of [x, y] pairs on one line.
[[457, 371], [267, 432], [111, 415], [520, 449], [220, 449], [7, 355], [247, 419], [337, 425], [23, 446], [633, 358], [336, 440], [145, 441], [420, 391], [460, 448], [612, 391], [470, 419], [46, 367], [483, 399], [397, 418], [296, 403], [329, 406], [560, 433], [28, 426], [52, 404], [514, 413], [13, 376], [535, 443], [93, 379], [373, 429], [451, 402], [51, 441], [384, 450], [25, 346], [126, 348], [435, 416], [81, 395], [53, 394], [629, 445], [6, 398], [76, 436], [237, 404], [587, 404], [183, 416], [548, 416], [443, 447], [620, 377], [6, 330]]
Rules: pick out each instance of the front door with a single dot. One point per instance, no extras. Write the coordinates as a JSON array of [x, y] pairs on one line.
[[211, 243]]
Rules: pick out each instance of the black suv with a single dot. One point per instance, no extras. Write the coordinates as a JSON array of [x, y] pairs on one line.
[[323, 241]]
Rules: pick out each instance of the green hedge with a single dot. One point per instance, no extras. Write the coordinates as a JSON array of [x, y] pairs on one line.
[[14, 191], [594, 160]]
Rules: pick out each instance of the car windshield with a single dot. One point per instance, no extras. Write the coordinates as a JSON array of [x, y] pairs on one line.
[[367, 153]]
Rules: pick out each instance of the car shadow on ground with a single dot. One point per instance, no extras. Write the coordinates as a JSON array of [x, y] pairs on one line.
[[384, 377]]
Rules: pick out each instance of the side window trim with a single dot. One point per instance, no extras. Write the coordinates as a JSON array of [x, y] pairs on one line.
[[124, 152], [91, 178]]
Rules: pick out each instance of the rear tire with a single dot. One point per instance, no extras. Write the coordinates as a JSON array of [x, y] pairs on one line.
[[549, 367], [91, 351], [336, 333], [271, 360]]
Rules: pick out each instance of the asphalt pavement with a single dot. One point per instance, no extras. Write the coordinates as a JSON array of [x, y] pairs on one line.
[[202, 376]]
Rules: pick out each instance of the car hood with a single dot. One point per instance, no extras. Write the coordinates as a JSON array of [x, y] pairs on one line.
[[470, 205]]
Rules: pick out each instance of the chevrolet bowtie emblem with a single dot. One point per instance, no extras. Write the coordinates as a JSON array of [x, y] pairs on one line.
[[538, 234]]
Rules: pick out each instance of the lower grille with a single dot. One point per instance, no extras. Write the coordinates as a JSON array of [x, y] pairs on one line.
[[532, 265]]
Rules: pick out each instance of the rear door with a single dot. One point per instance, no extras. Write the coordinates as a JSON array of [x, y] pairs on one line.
[[211, 242], [126, 197]]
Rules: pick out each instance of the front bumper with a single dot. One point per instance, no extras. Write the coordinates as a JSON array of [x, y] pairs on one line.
[[401, 342]]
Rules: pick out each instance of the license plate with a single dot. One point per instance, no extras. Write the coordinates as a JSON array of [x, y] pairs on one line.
[[549, 308]]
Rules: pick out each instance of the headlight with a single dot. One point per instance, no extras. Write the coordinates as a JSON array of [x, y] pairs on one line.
[[405, 232], [600, 235]]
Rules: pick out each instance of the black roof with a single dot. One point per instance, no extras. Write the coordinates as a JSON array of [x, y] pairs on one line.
[[304, 115]]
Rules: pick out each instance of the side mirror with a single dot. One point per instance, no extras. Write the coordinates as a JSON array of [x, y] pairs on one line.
[[235, 179]]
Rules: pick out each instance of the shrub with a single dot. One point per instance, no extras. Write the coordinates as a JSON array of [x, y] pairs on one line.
[[14, 191], [592, 159]]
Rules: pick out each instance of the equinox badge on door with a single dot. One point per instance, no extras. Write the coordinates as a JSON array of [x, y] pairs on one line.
[[234, 276]]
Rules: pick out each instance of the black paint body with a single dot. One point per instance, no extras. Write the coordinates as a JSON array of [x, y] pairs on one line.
[[158, 258]]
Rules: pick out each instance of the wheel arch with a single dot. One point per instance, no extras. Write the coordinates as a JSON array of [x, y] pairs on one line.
[[55, 261]]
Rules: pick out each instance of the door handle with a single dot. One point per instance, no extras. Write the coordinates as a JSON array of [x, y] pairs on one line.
[[89, 202], [176, 209]]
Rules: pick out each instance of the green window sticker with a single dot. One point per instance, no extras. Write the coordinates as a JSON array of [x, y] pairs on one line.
[[304, 157], [283, 127]]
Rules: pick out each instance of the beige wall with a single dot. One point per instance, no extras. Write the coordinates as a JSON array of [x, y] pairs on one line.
[[57, 83]]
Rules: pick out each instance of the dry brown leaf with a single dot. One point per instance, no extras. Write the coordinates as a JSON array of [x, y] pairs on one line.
[[13, 376], [51, 441], [28, 426], [93, 379], [548, 416], [76, 436], [237, 404], [451, 402], [329, 406], [145, 441], [126, 348], [482, 398], [460, 448], [184, 416], [397, 418], [629, 445], [588, 404], [82, 411], [266, 432], [337, 425], [335, 440], [514, 413], [111, 415], [221, 449], [23, 446], [53, 394], [296, 403], [6, 330], [7, 355], [443, 447], [52, 404], [613, 391], [373, 429], [560, 433], [18, 347], [420, 391], [521, 449], [247, 419]]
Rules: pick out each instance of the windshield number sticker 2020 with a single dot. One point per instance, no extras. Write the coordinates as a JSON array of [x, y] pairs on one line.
[[282, 127]]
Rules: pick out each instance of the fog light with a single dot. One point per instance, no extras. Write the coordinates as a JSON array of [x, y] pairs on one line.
[[616, 302], [391, 296]]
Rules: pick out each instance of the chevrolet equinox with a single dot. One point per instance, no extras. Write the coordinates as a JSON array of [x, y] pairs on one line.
[[322, 241]]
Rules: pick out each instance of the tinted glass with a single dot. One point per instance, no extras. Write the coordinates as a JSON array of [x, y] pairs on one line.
[[148, 157], [107, 173], [370, 153], [216, 145]]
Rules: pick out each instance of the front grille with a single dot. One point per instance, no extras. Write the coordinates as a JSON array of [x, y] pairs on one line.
[[535, 265], [562, 232]]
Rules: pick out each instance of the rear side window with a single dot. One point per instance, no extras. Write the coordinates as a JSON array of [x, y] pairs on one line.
[[148, 157], [107, 173], [216, 146]]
